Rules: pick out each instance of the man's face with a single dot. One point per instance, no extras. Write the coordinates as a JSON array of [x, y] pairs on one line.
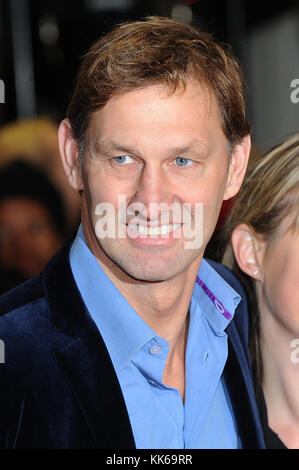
[[151, 147]]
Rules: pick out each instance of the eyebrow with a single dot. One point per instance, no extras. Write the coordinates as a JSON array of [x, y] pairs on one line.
[[109, 147]]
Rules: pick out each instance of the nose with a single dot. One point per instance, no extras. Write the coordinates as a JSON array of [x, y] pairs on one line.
[[154, 192]]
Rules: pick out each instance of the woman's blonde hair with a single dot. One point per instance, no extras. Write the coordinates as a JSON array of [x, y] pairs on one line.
[[269, 193]]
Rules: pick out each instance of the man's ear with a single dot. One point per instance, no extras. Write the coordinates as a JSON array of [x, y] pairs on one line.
[[69, 152], [249, 250], [237, 167]]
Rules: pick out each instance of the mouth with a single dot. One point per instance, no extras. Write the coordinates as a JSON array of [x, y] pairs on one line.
[[156, 231]]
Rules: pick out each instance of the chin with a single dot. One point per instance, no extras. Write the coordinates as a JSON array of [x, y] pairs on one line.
[[153, 270], [149, 273], [150, 266]]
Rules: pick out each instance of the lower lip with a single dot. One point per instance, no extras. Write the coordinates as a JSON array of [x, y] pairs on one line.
[[154, 240]]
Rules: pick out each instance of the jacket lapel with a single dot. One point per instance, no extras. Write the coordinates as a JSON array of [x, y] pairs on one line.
[[239, 383], [85, 360]]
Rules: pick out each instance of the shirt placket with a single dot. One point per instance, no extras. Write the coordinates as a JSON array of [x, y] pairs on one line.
[[151, 361]]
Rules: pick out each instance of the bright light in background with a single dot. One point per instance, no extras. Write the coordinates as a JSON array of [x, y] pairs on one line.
[[100, 5], [48, 30], [182, 12]]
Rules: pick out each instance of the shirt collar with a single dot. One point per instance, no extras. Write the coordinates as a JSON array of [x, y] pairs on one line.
[[217, 299]]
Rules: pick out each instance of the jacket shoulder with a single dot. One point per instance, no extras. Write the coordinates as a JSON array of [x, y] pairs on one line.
[[21, 295]]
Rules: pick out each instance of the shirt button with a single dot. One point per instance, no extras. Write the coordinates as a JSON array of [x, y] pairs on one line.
[[219, 306], [155, 349]]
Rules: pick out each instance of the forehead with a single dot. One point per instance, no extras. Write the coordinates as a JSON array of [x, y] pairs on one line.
[[156, 110]]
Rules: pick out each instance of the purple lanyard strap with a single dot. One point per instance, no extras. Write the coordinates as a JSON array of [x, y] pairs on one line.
[[214, 299]]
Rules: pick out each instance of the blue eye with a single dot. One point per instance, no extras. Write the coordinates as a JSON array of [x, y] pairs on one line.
[[123, 159], [181, 161]]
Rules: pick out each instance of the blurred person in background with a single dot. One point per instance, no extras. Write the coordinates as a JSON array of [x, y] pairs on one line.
[[264, 253], [31, 222], [36, 140]]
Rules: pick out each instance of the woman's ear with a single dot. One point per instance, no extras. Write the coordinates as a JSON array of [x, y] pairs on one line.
[[69, 152], [248, 249]]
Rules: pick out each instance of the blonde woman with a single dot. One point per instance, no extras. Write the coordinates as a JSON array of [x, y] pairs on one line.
[[264, 252]]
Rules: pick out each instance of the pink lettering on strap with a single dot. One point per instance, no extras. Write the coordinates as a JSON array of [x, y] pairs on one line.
[[215, 301]]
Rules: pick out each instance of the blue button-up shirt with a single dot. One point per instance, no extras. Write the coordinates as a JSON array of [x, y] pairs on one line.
[[158, 417]]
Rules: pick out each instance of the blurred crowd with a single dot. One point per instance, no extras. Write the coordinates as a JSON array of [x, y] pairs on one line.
[[38, 208]]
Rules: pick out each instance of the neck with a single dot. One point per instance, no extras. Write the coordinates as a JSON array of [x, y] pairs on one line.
[[280, 378]]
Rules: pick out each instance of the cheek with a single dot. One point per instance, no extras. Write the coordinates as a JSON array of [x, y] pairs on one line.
[[208, 188], [288, 286], [209, 191], [212, 201], [99, 191], [282, 289]]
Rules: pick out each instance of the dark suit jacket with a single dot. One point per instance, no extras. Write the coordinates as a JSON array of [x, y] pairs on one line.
[[58, 387]]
